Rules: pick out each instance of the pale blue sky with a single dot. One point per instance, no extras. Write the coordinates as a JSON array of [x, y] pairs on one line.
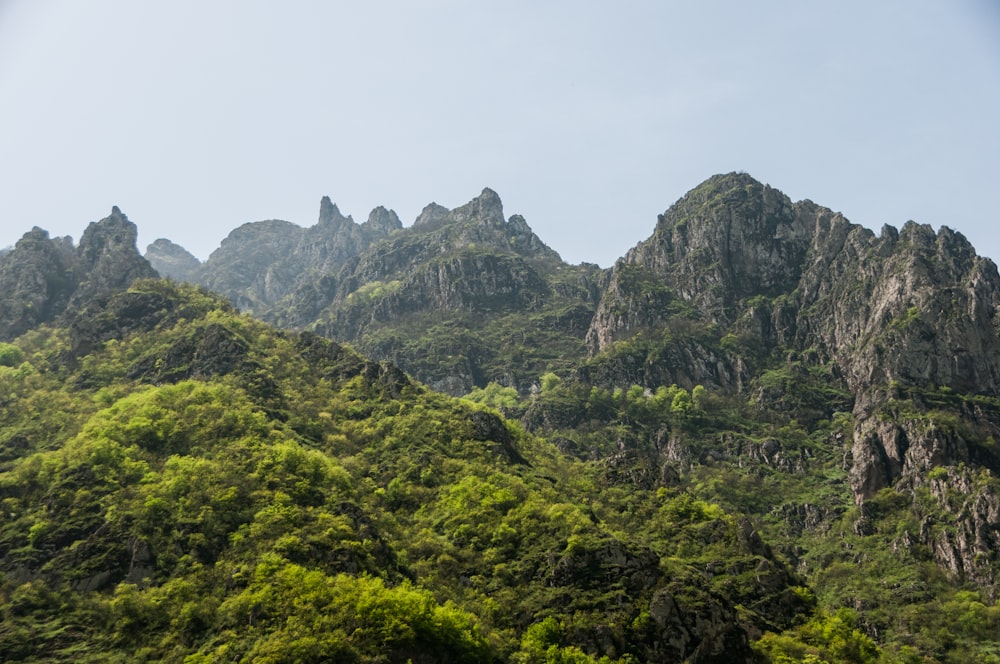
[[588, 118]]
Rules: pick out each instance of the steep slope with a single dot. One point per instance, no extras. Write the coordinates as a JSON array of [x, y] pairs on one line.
[[741, 290], [758, 369], [42, 278], [171, 260], [203, 487], [461, 298], [259, 263]]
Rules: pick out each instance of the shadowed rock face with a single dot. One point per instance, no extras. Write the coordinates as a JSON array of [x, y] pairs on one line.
[[108, 259], [171, 260], [895, 314], [260, 263], [733, 265], [37, 279], [42, 278]]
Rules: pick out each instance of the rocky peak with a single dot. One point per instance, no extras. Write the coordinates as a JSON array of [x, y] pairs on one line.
[[41, 278], [113, 235], [729, 238], [329, 213], [37, 278], [381, 222], [261, 263], [484, 209], [431, 216], [108, 258], [171, 260]]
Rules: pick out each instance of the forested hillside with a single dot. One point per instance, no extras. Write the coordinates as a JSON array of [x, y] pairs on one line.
[[198, 484], [764, 434]]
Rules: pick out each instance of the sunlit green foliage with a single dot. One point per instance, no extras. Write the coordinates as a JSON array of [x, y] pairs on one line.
[[10, 355], [829, 638], [304, 504]]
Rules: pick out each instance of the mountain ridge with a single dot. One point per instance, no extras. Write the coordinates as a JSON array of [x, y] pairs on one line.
[[749, 341]]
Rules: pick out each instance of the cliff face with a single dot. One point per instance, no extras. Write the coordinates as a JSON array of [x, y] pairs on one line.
[[260, 263], [36, 280], [171, 260], [792, 333], [449, 298], [42, 278], [897, 319]]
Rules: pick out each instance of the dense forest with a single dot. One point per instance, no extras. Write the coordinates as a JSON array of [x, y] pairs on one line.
[[764, 435]]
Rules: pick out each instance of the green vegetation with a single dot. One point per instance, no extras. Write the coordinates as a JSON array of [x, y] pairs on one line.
[[199, 487], [278, 498]]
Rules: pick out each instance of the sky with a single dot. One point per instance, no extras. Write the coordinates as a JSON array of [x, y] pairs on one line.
[[588, 118]]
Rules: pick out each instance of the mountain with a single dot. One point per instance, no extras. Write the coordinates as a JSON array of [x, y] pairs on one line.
[[43, 278], [203, 486], [897, 319], [461, 298], [764, 432], [171, 260], [259, 263]]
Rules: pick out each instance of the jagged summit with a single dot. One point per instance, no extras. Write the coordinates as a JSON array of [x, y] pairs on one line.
[[431, 215], [171, 260], [329, 212], [382, 221], [485, 208], [42, 278], [749, 341]]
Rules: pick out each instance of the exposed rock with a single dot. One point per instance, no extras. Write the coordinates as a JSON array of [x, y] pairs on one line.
[[605, 564], [381, 223], [729, 239], [807, 517], [262, 262], [468, 266], [42, 278], [432, 216], [488, 427], [37, 279], [708, 633], [108, 259], [251, 266], [171, 260]]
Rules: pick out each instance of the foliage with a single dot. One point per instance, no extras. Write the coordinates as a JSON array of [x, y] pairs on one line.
[[10, 355], [825, 638], [306, 504]]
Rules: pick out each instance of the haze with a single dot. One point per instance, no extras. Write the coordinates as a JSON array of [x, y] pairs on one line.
[[588, 118]]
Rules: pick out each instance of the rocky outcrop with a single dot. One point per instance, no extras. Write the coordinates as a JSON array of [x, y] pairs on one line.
[[479, 224], [898, 321], [910, 307], [37, 279], [727, 240], [961, 530], [262, 262], [171, 260], [918, 311], [108, 260], [462, 268], [709, 633], [917, 307], [42, 278]]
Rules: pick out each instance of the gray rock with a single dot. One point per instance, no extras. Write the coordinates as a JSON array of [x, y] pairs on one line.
[[171, 260]]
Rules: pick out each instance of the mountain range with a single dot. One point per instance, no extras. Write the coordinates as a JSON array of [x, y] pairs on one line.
[[826, 398]]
